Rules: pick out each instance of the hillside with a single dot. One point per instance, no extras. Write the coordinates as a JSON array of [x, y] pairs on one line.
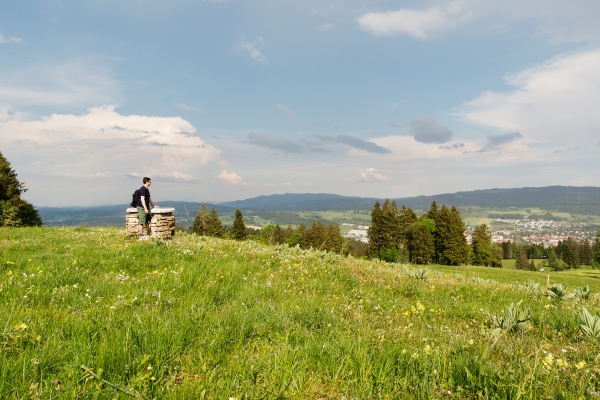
[[579, 200], [90, 313]]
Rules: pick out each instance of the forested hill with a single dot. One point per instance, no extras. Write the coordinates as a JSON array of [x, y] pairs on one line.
[[577, 200]]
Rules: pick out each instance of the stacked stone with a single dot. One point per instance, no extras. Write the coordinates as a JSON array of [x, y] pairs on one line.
[[132, 222], [163, 225]]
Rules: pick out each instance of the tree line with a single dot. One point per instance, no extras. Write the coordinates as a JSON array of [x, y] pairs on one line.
[[397, 234], [14, 211], [316, 236]]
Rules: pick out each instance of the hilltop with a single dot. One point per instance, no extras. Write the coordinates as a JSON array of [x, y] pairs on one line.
[[88, 312]]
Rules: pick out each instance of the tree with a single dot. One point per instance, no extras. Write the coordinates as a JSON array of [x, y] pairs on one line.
[[335, 241], [521, 262], [406, 217], [238, 230], [315, 236], [421, 247], [553, 261], [199, 225], [434, 214], [278, 235], [14, 211], [452, 240], [214, 226], [586, 254], [482, 246], [497, 256], [374, 233], [570, 253]]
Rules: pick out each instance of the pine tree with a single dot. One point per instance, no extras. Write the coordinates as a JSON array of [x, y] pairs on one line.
[[315, 236], [521, 261], [199, 225], [434, 214], [570, 253], [278, 235], [421, 246], [375, 233], [456, 250], [586, 254], [406, 218], [214, 226], [238, 230], [482, 246], [496, 256], [14, 211], [335, 240], [553, 261]]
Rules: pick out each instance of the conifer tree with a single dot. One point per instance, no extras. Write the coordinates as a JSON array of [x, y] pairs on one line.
[[420, 245], [375, 233], [335, 240], [316, 236], [278, 235], [586, 254], [521, 261], [407, 217], [199, 224], [482, 246], [496, 256], [452, 237], [214, 226], [14, 211], [238, 230], [434, 214]]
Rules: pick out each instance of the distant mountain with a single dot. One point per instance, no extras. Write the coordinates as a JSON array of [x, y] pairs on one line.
[[111, 215], [301, 201], [578, 200], [572, 199]]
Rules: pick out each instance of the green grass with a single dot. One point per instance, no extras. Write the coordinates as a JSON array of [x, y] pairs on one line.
[[205, 318]]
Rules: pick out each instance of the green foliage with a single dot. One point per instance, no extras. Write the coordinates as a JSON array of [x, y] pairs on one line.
[[198, 317], [497, 253], [421, 246], [522, 262], [199, 225], [589, 324], [557, 291], [14, 211], [515, 318], [532, 287], [583, 293], [388, 255], [214, 226], [482, 246], [238, 230]]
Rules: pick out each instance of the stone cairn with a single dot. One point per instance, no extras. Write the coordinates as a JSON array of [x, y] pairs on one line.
[[162, 224]]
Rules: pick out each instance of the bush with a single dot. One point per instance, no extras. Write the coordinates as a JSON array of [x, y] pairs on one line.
[[389, 255]]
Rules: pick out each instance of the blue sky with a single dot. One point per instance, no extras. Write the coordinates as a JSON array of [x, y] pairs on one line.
[[223, 100]]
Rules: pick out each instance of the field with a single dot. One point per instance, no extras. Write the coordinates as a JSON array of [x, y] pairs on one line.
[[89, 313]]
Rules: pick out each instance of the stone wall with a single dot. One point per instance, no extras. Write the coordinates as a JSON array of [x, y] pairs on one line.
[[162, 224]]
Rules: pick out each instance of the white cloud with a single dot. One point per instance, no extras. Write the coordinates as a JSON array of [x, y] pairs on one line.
[[284, 110], [417, 23], [370, 175], [554, 103], [231, 178], [104, 142], [187, 107], [251, 48], [559, 20], [329, 27], [4, 39]]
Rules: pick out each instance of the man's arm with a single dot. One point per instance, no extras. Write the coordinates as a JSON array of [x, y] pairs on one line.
[[151, 202], [143, 198]]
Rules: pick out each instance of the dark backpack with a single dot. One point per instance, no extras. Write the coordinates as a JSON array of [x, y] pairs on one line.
[[134, 198]]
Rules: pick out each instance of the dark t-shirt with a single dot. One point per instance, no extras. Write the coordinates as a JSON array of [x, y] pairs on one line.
[[146, 193]]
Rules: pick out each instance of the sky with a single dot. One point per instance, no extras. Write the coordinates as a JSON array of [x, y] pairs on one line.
[[228, 99]]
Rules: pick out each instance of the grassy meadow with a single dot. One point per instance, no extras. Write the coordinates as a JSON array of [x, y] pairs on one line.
[[89, 313]]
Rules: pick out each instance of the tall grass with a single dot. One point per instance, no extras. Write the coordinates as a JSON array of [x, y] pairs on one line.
[[90, 313]]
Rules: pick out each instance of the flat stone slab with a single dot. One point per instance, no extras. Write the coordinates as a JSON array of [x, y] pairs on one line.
[[155, 210]]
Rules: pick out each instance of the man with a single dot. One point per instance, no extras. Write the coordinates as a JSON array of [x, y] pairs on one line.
[[143, 208]]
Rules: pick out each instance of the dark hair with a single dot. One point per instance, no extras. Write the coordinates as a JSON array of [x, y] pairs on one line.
[[146, 179]]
